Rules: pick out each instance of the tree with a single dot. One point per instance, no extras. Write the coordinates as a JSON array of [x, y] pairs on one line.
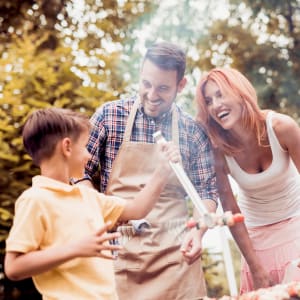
[[65, 61], [53, 53], [19, 16], [78, 54], [260, 38]]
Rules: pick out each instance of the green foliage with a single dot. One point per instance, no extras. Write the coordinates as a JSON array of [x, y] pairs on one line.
[[43, 64], [40, 68], [262, 40], [54, 55], [30, 79], [28, 16]]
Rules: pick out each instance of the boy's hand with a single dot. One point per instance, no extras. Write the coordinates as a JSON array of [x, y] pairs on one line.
[[97, 244]]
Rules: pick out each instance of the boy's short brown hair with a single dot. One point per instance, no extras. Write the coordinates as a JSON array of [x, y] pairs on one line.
[[45, 127]]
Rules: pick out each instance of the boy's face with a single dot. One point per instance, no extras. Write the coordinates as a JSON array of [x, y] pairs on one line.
[[79, 156]]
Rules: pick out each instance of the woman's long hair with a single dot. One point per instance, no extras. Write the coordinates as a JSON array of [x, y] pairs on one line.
[[232, 84]]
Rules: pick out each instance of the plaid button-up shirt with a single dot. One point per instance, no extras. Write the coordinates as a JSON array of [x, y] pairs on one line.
[[108, 127]]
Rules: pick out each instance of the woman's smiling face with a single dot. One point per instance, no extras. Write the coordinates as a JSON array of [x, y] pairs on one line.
[[224, 109]]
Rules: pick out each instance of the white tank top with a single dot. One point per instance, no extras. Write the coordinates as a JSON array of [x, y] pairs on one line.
[[272, 195]]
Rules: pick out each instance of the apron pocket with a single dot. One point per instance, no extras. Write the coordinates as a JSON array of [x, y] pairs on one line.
[[129, 253], [153, 249]]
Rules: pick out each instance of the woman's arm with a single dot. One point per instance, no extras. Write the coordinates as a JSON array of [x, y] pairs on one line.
[[288, 134], [238, 231]]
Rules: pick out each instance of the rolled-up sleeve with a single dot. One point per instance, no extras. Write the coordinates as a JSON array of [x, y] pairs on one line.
[[202, 171], [96, 141]]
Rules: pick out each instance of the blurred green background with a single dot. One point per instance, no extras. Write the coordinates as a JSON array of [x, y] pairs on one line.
[[79, 54]]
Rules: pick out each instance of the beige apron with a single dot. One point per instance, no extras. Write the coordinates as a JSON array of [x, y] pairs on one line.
[[151, 267]]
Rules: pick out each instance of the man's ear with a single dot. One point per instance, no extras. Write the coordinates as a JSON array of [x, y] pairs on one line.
[[181, 84], [66, 146]]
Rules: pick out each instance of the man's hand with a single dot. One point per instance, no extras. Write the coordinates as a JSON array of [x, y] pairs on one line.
[[191, 247]]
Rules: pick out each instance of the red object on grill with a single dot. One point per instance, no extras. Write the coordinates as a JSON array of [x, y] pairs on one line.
[[226, 219], [238, 218]]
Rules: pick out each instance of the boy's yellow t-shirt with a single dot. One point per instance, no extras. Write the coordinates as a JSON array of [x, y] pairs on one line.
[[53, 213]]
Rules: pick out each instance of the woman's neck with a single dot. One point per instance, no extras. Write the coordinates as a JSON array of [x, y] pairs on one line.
[[244, 137]]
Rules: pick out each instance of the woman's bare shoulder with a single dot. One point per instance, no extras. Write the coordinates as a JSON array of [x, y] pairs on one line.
[[282, 122], [285, 128]]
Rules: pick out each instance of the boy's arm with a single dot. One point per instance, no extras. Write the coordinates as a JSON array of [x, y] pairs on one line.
[[19, 266], [144, 201]]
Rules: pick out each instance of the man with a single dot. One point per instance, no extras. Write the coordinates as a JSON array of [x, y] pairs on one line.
[[151, 265]]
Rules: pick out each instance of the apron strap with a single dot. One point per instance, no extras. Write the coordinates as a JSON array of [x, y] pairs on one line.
[[130, 120], [175, 124]]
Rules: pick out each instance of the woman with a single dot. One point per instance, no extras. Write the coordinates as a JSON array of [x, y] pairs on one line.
[[260, 149]]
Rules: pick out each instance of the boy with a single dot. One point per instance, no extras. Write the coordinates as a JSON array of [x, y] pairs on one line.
[[59, 235]]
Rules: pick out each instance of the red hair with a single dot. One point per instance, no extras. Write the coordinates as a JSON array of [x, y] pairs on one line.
[[233, 84]]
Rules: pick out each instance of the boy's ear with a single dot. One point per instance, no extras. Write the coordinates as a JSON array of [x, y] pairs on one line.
[[66, 146]]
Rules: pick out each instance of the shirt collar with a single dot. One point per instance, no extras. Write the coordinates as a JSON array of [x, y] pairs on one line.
[[52, 184], [164, 117]]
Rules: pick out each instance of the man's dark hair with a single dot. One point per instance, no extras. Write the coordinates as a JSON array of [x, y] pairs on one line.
[[44, 128], [167, 56]]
